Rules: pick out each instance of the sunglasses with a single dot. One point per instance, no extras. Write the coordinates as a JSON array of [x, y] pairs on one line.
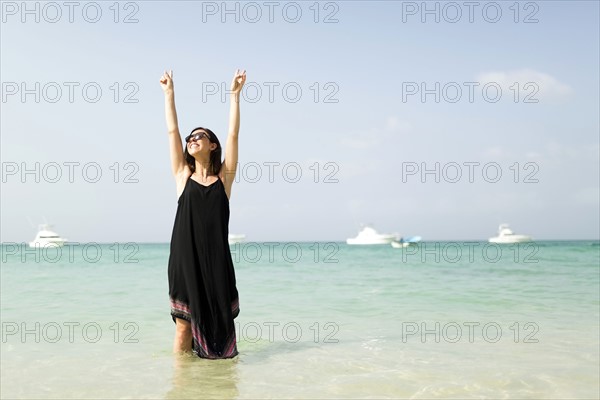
[[196, 137]]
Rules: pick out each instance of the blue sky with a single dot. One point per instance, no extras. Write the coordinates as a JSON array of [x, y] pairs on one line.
[[358, 140]]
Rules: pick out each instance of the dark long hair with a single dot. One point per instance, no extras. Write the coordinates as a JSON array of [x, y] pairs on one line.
[[215, 155]]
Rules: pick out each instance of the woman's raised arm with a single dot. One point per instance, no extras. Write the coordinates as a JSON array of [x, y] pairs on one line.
[[176, 149], [231, 146]]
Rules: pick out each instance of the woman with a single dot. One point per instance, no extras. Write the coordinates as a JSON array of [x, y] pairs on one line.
[[202, 288]]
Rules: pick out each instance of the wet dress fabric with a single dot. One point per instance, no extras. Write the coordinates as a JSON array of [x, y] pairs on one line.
[[202, 286]]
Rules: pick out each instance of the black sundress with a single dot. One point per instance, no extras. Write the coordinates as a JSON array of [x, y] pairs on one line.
[[202, 286]]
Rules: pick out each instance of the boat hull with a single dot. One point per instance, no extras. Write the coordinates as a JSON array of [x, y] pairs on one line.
[[369, 241], [46, 244], [510, 240], [236, 238], [369, 236]]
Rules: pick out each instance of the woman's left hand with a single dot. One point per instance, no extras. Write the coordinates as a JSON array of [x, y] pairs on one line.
[[238, 81]]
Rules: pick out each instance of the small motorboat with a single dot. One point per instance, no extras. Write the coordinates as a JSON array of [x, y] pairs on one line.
[[412, 240], [507, 236], [368, 235], [233, 238], [47, 238]]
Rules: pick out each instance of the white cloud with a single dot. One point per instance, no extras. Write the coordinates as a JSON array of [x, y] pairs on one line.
[[561, 151], [393, 124], [551, 150], [494, 152], [501, 153], [546, 86]]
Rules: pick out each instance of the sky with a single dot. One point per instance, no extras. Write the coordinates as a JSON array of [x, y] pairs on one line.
[[438, 119]]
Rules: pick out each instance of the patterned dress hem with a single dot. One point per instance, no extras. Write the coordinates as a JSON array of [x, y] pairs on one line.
[[200, 348]]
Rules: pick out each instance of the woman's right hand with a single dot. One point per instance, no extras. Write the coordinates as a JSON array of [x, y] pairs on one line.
[[166, 82]]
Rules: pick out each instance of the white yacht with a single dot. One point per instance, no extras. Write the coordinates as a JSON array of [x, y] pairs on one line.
[[368, 235], [233, 238], [46, 237], [413, 240], [506, 235]]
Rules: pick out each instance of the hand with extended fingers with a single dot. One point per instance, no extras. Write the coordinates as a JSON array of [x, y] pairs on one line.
[[166, 81], [239, 78]]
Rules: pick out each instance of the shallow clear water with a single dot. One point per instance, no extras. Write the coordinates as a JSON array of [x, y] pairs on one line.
[[318, 320]]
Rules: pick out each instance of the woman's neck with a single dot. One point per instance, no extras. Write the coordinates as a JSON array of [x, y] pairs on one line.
[[202, 168]]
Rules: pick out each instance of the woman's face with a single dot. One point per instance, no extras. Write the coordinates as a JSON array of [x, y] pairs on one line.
[[198, 143]]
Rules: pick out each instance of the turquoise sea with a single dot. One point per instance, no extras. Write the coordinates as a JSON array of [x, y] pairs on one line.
[[318, 320]]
